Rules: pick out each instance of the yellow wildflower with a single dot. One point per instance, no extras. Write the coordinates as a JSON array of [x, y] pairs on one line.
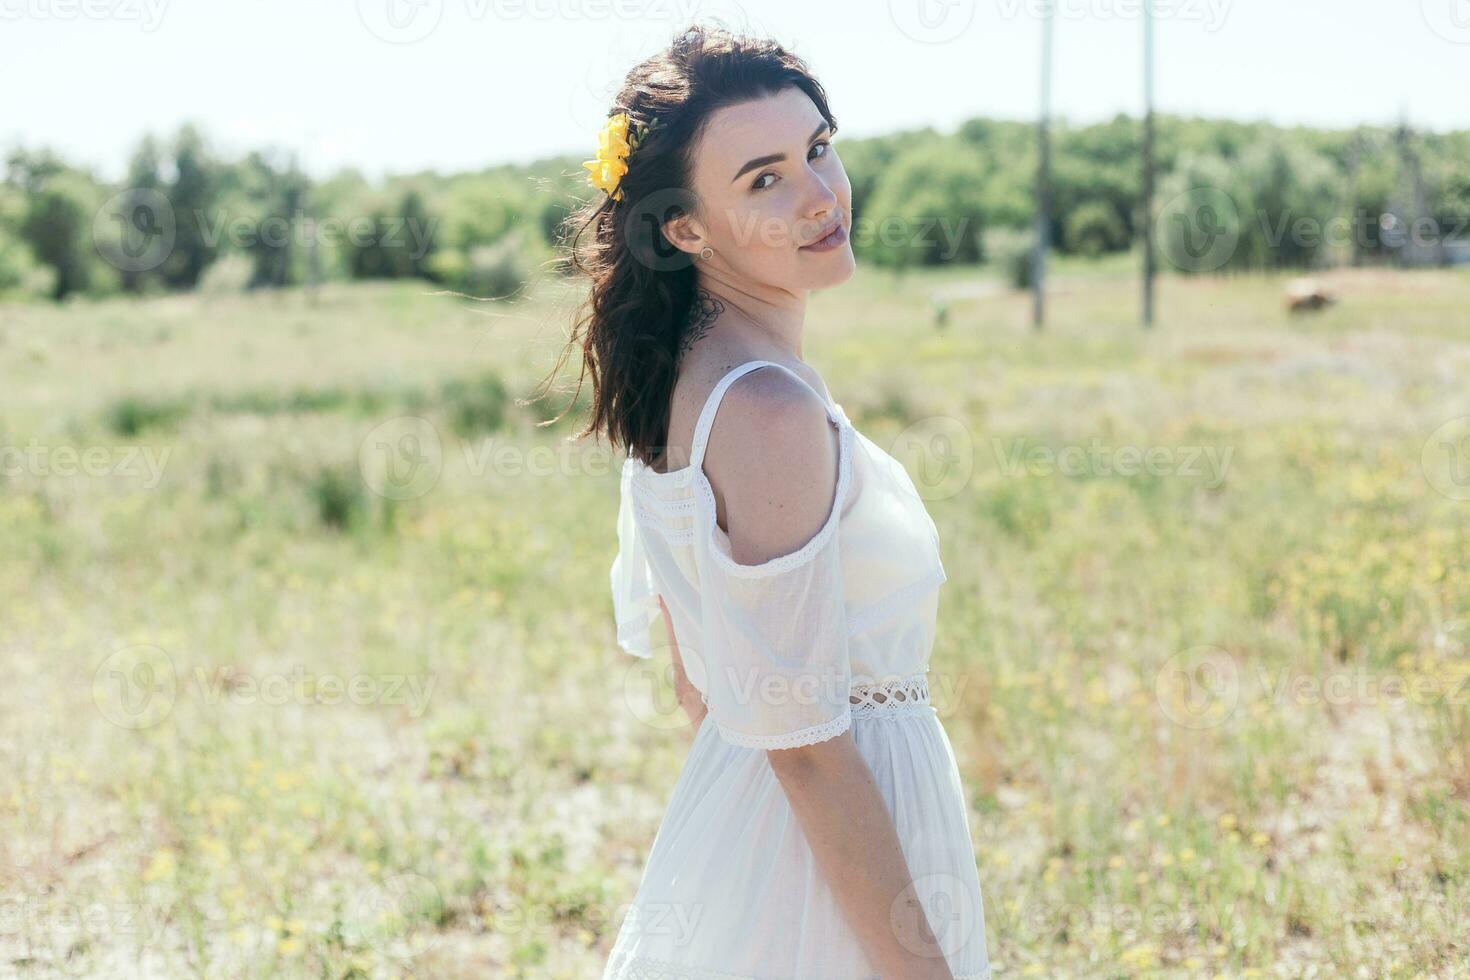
[[614, 144], [608, 167]]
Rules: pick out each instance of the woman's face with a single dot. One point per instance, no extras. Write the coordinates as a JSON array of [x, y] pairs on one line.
[[767, 183]]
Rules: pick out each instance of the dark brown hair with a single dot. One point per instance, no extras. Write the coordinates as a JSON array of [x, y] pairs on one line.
[[642, 287]]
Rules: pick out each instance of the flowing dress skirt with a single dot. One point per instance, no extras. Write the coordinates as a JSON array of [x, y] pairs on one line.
[[731, 889]]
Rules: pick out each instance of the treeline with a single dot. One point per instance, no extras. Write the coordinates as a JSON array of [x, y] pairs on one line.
[[185, 218]]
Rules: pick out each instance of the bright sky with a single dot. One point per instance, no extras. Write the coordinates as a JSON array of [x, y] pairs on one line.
[[399, 85]]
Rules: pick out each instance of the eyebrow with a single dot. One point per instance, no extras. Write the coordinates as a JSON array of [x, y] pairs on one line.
[[775, 157]]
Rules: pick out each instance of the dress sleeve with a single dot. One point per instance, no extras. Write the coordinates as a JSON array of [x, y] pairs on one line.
[[775, 634], [635, 601]]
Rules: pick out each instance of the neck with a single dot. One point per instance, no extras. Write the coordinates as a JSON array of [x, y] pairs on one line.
[[766, 316]]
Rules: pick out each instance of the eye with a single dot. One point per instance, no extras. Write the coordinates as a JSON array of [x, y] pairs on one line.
[[823, 144]]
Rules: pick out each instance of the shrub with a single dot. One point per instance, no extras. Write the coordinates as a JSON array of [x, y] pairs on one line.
[[1011, 251], [1094, 228]]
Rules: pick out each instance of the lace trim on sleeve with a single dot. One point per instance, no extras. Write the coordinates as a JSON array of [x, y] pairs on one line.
[[791, 740]]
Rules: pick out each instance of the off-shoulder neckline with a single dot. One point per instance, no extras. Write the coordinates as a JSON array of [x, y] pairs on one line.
[[695, 469]]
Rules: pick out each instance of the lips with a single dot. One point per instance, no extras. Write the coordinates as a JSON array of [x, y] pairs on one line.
[[825, 232]]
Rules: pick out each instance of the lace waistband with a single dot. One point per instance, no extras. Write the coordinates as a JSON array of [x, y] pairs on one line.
[[894, 697]]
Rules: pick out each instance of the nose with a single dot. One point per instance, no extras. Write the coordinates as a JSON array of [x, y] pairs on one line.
[[822, 207]]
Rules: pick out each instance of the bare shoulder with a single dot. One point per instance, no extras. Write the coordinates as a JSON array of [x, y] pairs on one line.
[[772, 460]]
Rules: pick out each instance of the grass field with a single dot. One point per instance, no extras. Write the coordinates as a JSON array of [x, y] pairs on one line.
[[311, 670]]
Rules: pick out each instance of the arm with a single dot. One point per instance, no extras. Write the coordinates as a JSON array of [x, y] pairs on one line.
[[775, 459], [688, 695], [853, 839]]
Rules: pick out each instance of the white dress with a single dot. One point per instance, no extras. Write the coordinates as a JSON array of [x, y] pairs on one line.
[[795, 650]]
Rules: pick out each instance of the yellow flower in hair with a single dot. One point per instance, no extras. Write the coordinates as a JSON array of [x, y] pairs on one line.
[[614, 143]]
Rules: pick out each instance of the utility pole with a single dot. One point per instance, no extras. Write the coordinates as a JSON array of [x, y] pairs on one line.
[[1147, 214], [1043, 176], [1354, 165]]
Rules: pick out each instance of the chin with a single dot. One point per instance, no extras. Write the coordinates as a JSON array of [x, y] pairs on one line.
[[834, 272]]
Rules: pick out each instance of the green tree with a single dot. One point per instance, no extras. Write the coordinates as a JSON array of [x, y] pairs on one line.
[[194, 195], [928, 207]]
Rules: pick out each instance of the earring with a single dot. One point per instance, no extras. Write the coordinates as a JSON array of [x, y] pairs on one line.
[[706, 253]]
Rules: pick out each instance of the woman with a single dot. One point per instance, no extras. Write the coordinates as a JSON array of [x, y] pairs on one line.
[[818, 828]]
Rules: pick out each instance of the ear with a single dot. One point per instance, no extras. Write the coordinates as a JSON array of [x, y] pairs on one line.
[[684, 233]]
